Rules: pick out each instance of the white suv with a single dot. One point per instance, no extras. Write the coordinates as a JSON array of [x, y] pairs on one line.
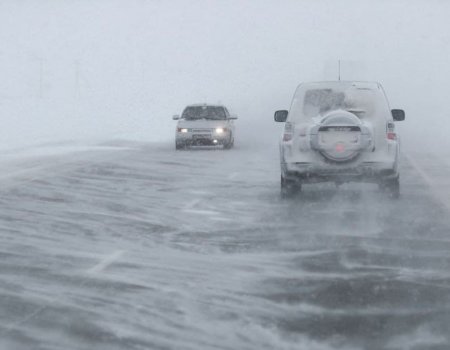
[[204, 125], [340, 132]]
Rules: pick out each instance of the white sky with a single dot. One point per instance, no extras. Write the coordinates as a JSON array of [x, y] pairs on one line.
[[106, 68]]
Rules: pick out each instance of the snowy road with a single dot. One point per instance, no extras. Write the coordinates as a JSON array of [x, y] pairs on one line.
[[143, 247]]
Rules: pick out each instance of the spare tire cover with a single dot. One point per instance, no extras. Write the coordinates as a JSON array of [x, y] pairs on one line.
[[340, 136]]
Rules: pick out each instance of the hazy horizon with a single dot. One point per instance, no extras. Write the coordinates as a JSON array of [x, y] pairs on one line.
[[111, 69]]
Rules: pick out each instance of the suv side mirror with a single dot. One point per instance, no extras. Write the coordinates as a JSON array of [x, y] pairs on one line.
[[233, 117], [398, 114], [281, 116], [176, 117]]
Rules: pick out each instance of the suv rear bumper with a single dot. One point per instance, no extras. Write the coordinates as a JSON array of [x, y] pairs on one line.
[[374, 172]]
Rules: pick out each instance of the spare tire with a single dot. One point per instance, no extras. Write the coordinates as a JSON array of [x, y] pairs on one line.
[[340, 136]]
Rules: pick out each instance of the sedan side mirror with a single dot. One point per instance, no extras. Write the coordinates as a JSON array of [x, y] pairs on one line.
[[176, 117], [281, 116], [398, 114]]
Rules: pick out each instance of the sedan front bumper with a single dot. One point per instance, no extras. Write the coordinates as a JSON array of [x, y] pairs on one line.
[[207, 139]]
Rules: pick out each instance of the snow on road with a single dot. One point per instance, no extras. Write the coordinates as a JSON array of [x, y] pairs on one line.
[[435, 172], [143, 247]]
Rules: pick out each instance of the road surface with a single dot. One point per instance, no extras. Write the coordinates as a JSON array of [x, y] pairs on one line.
[[139, 246]]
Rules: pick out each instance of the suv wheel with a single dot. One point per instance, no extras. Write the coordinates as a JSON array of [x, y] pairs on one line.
[[392, 187], [289, 187]]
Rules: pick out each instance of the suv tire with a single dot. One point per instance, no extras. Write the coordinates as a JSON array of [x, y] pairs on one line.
[[391, 187], [289, 188]]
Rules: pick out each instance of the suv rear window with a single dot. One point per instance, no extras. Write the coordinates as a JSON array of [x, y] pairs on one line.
[[315, 101]]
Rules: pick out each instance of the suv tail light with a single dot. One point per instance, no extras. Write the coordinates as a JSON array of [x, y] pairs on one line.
[[392, 136], [287, 136], [288, 130], [390, 131]]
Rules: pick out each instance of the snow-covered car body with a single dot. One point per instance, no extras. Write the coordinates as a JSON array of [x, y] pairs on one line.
[[204, 125], [339, 131]]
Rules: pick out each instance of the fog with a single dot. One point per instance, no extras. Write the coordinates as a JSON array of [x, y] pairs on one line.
[[72, 70], [133, 245]]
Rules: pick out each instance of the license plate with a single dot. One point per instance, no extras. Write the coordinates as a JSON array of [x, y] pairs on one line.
[[201, 136], [340, 128], [333, 137]]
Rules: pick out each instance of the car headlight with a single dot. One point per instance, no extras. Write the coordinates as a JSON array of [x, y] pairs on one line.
[[182, 130], [220, 130]]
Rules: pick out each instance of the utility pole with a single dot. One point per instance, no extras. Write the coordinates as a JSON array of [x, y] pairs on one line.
[[339, 70], [77, 79], [41, 77]]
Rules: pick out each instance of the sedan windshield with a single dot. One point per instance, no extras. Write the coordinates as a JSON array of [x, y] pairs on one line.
[[203, 112]]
